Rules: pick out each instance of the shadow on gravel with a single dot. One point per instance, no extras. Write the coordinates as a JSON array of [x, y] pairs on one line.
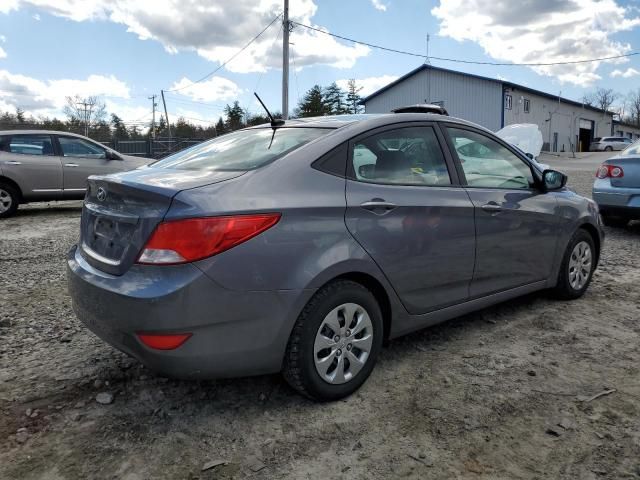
[[49, 210]]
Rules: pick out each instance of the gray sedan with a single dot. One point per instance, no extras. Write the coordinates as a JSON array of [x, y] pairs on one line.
[[42, 165], [616, 188], [302, 246]]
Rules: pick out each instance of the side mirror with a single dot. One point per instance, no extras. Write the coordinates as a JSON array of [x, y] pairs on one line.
[[112, 155], [553, 180]]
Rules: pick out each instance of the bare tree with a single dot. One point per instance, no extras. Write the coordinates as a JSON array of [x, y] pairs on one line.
[[588, 99], [603, 98], [85, 111], [633, 102]]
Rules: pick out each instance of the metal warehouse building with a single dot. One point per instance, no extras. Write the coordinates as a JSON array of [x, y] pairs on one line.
[[565, 124]]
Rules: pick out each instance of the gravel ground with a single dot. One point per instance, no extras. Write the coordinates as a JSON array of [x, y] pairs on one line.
[[505, 393]]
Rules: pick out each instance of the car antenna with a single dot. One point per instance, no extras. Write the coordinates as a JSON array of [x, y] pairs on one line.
[[274, 122]]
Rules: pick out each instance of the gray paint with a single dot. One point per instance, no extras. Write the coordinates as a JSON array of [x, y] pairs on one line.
[[471, 98], [242, 304]]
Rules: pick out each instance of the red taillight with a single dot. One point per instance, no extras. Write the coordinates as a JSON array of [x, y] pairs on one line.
[[163, 342], [609, 171], [191, 239]]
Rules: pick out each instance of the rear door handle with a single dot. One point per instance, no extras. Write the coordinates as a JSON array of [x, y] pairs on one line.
[[378, 205], [492, 208], [71, 165], [12, 162]]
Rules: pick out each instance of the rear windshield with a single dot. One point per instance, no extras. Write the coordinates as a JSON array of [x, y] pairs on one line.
[[243, 150], [597, 139]]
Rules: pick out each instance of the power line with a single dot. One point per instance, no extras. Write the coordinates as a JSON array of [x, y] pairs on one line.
[[455, 60], [230, 59]]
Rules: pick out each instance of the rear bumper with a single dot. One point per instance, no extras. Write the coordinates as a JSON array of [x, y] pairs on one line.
[[616, 201], [234, 333]]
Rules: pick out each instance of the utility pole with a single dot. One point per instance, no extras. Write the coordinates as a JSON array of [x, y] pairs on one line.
[[285, 61], [86, 115], [153, 113], [166, 115]]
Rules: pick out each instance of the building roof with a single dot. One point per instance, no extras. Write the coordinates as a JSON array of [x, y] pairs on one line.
[[504, 84]]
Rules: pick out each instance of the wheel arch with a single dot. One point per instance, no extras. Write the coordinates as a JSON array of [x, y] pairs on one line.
[[595, 236], [13, 184]]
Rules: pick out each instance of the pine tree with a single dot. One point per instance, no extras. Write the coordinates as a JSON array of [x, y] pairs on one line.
[[334, 98], [220, 129], [353, 97], [119, 130], [235, 117], [313, 104]]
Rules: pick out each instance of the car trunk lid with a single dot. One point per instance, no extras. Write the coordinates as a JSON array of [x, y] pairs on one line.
[[631, 168], [121, 211]]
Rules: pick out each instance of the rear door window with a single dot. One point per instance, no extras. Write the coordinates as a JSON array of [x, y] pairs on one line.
[[242, 150], [39, 145], [406, 156]]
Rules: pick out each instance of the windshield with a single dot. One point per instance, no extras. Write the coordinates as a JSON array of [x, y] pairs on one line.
[[632, 149], [243, 150]]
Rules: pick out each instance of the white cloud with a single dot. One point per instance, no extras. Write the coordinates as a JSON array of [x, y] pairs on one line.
[[369, 84], [36, 17], [215, 30], [628, 73], [47, 98], [378, 5], [211, 90], [541, 31], [3, 54]]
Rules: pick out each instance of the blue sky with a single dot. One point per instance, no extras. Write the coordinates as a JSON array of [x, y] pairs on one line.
[[126, 51]]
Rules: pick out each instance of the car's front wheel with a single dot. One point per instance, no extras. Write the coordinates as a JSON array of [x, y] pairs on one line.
[[577, 266], [335, 342], [8, 200], [608, 149]]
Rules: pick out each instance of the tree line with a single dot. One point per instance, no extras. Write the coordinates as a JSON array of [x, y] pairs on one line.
[[88, 116], [626, 107]]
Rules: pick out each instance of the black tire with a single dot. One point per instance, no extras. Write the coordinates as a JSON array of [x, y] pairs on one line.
[[299, 367], [564, 289], [615, 222], [608, 149], [9, 197]]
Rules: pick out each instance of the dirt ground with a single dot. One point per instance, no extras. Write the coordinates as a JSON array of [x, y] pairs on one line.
[[505, 393]]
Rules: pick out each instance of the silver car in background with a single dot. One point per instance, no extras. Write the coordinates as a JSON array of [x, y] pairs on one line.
[[616, 188], [609, 144], [42, 165]]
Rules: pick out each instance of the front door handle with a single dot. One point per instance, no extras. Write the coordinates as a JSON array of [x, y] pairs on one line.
[[12, 162], [492, 208], [72, 165], [377, 205]]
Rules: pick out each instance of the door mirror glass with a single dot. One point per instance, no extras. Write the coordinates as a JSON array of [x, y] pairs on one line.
[[553, 180]]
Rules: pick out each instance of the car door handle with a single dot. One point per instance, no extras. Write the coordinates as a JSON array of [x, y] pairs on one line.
[[72, 165], [12, 162], [492, 208], [378, 205]]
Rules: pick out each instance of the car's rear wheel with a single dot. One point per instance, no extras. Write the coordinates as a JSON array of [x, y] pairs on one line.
[[335, 342], [577, 267], [9, 199], [615, 222], [608, 149]]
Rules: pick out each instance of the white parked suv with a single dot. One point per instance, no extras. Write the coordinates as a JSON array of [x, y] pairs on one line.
[[608, 144]]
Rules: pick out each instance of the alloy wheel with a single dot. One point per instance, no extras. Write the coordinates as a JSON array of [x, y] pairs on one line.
[[5, 200], [580, 265], [343, 343]]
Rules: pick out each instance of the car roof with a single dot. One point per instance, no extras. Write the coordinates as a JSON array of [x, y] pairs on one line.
[[39, 132], [369, 120]]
